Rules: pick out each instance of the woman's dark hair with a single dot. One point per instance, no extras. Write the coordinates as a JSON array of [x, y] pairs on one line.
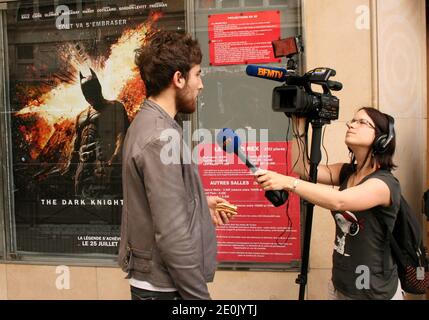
[[164, 53], [384, 160]]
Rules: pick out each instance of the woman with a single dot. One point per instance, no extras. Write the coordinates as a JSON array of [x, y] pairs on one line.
[[367, 189]]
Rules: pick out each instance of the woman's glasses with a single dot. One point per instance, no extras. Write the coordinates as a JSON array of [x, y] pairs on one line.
[[360, 122]]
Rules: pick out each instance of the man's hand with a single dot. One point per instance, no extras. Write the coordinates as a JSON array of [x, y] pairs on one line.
[[219, 217]]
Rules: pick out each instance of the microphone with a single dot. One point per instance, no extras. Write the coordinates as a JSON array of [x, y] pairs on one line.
[[270, 73], [280, 75], [230, 142]]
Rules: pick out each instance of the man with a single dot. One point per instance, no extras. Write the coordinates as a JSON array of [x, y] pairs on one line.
[[168, 241]]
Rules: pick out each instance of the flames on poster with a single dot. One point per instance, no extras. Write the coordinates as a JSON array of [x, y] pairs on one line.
[[73, 120]]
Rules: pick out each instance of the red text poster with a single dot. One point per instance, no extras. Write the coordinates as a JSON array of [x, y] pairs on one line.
[[259, 232], [241, 38]]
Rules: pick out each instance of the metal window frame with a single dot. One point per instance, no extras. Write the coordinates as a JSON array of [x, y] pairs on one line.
[[255, 266], [8, 250]]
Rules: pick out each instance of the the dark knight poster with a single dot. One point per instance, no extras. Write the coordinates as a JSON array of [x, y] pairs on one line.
[[73, 90]]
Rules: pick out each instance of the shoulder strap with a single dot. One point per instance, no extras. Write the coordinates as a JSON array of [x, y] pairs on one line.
[[426, 204], [390, 242]]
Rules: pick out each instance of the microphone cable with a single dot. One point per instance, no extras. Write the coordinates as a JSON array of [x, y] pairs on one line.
[[289, 224], [327, 158], [302, 147]]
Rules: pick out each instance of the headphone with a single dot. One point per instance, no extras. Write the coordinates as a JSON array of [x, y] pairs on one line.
[[382, 141]]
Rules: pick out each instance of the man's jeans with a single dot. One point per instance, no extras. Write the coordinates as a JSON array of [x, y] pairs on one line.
[[142, 294]]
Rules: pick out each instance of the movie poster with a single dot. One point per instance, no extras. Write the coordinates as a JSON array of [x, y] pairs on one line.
[[74, 89]]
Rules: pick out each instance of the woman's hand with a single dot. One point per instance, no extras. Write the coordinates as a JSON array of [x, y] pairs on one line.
[[219, 217], [270, 180]]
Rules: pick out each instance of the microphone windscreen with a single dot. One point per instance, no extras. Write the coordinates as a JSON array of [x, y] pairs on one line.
[[228, 140]]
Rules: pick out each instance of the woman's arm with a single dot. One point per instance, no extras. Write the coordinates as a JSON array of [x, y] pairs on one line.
[[327, 174], [371, 193]]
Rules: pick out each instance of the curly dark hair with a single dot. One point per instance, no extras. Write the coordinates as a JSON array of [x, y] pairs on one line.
[[164, 53]]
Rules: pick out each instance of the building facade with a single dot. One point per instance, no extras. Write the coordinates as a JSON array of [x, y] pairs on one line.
[[60, 227]]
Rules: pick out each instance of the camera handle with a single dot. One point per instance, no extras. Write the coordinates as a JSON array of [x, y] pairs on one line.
[[315, 157]]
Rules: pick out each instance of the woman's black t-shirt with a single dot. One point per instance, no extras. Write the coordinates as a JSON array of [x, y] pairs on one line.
[[360, 243]]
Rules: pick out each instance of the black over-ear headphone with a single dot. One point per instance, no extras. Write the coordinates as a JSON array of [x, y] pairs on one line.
[[382, 141]]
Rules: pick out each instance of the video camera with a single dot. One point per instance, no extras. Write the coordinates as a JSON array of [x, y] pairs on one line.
[[296, 96]]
